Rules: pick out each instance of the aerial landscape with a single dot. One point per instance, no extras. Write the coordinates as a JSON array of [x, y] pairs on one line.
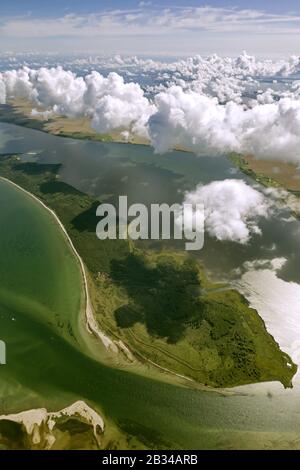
[[150, 224]]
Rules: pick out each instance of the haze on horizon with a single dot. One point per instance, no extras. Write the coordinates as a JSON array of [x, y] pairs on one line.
[[210, 105], [151, 28]]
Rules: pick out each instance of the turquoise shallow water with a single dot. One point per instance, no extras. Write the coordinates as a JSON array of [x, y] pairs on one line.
[[35, 275], [39, 279]]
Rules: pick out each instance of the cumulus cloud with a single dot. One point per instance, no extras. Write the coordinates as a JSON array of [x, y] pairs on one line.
[[60, 90], [208, 105], [108, 101], [18, 83], [201, 124], [231, 207], [119, 105]]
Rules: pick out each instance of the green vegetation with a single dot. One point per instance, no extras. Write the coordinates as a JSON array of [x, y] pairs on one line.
[[12, 436], [160, 304], [164, 307], [70, 433], [240, 162], [18, 111], [83, 136], [12, 115], [30, 283]]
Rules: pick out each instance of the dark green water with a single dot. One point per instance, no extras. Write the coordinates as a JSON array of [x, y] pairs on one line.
[[33, 255], [37, 278], [108, 170], [45, 366]]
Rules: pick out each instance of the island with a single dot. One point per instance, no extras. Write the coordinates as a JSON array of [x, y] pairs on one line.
[[153, 312]]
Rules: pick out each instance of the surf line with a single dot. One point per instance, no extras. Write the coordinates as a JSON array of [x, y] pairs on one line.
[[2, 353], [91, 323]]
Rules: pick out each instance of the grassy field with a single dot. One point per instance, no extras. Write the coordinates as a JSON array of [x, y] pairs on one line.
[[272, 174], [160, 303], [269, 173], [257, 172], [18, 111]]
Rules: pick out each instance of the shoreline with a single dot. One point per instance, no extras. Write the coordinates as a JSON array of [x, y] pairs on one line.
[[291, 200], [91, 323], [114, 346], [117, 346], [96, 138], [115, 138], [39, 423]]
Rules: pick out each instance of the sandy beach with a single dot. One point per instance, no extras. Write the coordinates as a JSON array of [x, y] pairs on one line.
[[91, 322], [114, 346], [39, 423]]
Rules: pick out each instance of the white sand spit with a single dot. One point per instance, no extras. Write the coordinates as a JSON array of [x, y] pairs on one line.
[[39, 423]]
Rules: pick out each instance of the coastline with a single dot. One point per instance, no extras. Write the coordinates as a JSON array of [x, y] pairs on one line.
[[291, 198], [114, 346], [67, 127], [39, 423], [55, 127], [91, 323]]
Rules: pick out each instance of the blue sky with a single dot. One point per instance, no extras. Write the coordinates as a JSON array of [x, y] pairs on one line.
[[145, 27], [59, 7]]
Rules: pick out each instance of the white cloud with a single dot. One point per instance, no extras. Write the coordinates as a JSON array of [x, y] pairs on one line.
[[209, 113], [231, 209], [18, 83], [110, 102], [153, 20], [274, 264], [201, 124], [243, 66], [144, 3], [122, 105]]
